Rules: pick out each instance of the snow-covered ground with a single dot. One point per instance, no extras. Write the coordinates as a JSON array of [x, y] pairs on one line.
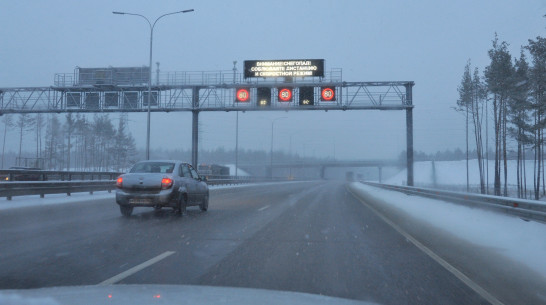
[[35, 200], [454, 173], [240, 172], [520, 241]]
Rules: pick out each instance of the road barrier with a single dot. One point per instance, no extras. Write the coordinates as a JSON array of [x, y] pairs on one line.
[[47, 175], [219, 180], [10, 189], [524, 208]]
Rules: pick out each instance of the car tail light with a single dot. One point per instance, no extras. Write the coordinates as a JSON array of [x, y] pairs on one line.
[[119, 182], [166, 183]]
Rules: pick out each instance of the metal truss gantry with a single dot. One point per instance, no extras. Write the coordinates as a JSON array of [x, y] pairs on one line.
[[210, 91]]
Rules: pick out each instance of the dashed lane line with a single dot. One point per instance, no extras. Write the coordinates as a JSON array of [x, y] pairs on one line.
[[263, 208], [135, 269]]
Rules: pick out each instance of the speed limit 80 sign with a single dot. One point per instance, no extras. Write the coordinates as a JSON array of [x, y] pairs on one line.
[[328, 94], [285, 95], [242, 95]]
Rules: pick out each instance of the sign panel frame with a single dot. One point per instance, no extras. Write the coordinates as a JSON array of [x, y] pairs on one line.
[[284, 68]]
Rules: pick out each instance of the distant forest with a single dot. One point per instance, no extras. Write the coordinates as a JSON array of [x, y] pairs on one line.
[[94, 142], [457, 155]]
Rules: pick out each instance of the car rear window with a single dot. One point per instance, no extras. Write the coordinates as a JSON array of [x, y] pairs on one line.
[[153, 167]]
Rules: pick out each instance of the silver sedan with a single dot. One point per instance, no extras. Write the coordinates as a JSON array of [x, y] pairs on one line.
[[161, 183]]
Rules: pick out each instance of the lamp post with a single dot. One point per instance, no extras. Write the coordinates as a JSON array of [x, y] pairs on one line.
[[236, 127], [150, 67], [290, 154], [271, 153]]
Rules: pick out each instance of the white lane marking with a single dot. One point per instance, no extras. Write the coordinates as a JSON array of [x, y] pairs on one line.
[[136, 269], [461, 276], [263, 208]]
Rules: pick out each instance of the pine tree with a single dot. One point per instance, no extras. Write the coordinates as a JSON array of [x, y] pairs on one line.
[[39, 119], [463, 105], [537, 76], [478, 97], [519, 109], [69, 128], [53, 143], [499, 80], [24, 123]]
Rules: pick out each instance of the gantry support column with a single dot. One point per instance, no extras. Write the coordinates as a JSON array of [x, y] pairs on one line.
[[323, 172], [409, 133], [195, 127]]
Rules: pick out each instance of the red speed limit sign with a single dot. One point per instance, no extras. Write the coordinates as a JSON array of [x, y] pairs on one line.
[[328, 94], [242, 95], [285, 95]]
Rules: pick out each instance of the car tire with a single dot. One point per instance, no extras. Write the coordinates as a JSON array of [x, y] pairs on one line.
[[181, 206], [126, 210], [204, 206]]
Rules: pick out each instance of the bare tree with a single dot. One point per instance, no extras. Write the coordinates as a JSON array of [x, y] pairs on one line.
[[24, 123], [8, 123], [537, 76]]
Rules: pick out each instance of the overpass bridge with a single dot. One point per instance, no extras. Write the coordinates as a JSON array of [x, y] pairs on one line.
[[323, 165]]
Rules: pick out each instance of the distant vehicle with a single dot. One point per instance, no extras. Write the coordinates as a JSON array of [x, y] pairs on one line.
[[159, 184], [350, 176], [213, 170], [22, 176]]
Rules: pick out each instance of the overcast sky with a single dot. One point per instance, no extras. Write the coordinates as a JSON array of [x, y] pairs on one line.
[[428, 42]]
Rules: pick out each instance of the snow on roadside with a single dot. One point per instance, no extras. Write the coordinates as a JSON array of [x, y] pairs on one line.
[[240, 172], [518, 240], [52, 199], [454, 173]]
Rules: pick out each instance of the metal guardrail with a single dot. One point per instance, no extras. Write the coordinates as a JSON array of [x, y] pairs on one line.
[[10, 189], [526, 209], [219, 180], [47, 175]]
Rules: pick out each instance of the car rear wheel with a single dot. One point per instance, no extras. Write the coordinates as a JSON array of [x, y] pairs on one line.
[[126, 210], [205, 204], [181, 206]]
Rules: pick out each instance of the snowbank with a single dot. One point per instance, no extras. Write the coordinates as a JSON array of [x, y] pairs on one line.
[[509, 236], [240, 172], [454, 173]]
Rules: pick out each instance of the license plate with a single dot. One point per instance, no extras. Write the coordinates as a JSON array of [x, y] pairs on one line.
[[140, 201]]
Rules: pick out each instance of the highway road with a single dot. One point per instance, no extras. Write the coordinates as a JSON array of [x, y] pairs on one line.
[[313, 237]]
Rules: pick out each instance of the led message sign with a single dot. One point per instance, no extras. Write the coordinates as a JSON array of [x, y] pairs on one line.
[[264, 96], [284, 68], [307, 96]]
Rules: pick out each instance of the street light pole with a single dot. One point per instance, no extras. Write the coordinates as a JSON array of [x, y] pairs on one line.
[[152, 26], [236, 126], [271, 152]]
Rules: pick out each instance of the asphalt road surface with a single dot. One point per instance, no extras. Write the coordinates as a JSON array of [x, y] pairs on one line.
[[312, 237]]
